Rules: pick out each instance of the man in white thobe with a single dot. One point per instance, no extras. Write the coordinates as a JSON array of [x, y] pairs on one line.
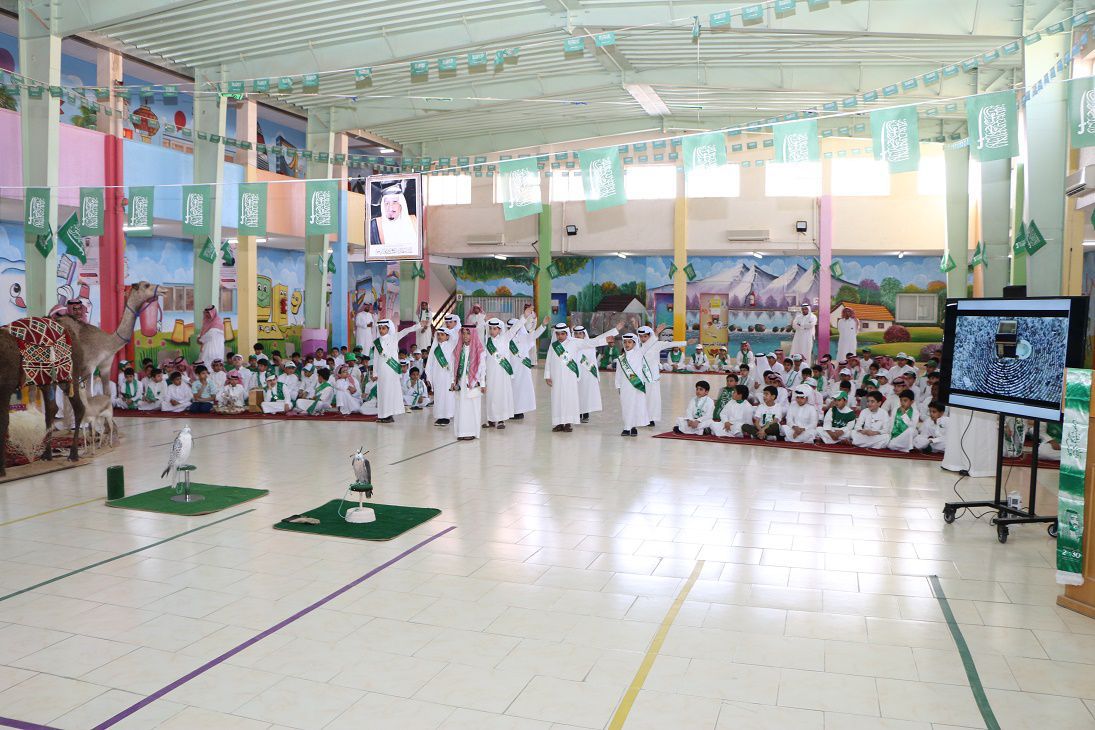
[[847, 328], [561, 374], [423, 335], [365, 328], [387, 371], [805, 326]]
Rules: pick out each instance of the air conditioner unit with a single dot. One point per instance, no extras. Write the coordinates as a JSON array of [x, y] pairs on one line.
[[489, 240], [1080, 181], [751, 236]]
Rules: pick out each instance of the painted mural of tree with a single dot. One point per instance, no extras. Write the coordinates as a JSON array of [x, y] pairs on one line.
[[869, 292], [847, 293], [518, 269], [503, 291], [890, 288]]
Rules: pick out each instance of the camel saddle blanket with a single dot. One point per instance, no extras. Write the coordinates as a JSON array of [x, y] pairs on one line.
[[46, 349]]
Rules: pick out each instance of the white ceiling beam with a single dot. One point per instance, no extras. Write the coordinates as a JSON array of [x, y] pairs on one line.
[[77, 16]]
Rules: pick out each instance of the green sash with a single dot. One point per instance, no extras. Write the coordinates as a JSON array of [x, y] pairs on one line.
[[899, 424], [592, 367], [129, 393], [675, 356], [149, 395], [839, 419], [371, 394], [319, 389], [513, 348], [562, 353], [503, 362], [439, 355], [630, 374], [699, 409], [725, 396], [391, 361], [461, 367], [278, 394], [610, 354]]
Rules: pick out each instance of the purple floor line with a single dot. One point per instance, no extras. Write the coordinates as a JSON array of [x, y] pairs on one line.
[[20, 725], [253, 640]]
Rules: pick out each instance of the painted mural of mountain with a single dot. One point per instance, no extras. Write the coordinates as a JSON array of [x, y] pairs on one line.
[[796, 285]]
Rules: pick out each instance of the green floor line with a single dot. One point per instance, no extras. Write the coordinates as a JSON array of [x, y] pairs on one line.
[[119, 557], [967, 659]]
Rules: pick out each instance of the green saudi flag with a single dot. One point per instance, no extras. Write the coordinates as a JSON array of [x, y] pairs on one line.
[[1035, 239], [602, 177], [895, 134], [208, 252], [44, 244], [703, 152], [673, 270], [978, 256], [69, 234], [91, 211], [320, 207], [1070, 490], [520, 188], [36, 211], [947, 263], [690, 272], [993, 121], [797, 141], [1020, 245], [1081, 111], [197, 212], [837, 269], [140, 210], [252, 209]]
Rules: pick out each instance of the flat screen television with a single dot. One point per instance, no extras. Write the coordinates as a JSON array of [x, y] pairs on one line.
[[1009, 355]]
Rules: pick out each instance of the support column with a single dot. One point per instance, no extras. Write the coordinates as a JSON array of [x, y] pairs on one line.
[[340, 288], [407, 286], [247, 130], [680, 259], [825, 279], [543, 249], [1047, 153], [247, 270], [957, 162], [319, 138], [209, 116], [1072, 255], [40, 124], [108, 74], [1019, 260], [995, 224]]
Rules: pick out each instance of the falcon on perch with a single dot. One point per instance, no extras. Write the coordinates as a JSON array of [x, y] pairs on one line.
[[363, 472], [180, 453]]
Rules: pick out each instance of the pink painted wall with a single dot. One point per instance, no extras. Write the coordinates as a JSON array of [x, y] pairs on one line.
[[82, 159]]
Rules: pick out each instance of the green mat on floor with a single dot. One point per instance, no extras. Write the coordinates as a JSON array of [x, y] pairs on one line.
[[391, 521], [217, 497]]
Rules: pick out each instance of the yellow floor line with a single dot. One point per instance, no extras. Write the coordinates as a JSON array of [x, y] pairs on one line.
[[624, 708], [50, 511]]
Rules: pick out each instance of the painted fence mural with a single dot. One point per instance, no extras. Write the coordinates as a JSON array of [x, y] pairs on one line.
[[734, 298]]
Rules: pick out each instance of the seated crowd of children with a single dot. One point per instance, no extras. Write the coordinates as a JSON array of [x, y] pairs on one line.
[[864, 404], [340, 381]]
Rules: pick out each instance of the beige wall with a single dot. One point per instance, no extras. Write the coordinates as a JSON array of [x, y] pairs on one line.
[[903, 220]]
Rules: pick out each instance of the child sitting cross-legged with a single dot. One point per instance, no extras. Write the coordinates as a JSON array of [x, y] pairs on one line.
[[414, 391], [697, 417], [768, 416], [321, 399], [932, 438], [152, 390], [232, 398], [203, 391], [801, 424], [177, 396], [274, 398], [839, 420], [735, 415], [129, 393]]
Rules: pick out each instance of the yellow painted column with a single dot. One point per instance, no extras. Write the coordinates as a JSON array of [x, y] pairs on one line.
[[247, 286], [680, 259], [1072, 267]]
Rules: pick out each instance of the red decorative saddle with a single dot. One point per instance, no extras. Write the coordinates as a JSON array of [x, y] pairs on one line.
[[46, 349]]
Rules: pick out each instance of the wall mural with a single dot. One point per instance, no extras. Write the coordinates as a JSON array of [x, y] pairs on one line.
[[74, 279], [732, 298]]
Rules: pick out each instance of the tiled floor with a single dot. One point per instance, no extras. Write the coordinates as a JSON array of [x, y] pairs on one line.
[[811, 610]]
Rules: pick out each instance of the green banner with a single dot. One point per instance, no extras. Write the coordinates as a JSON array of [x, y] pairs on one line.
[[797, 141], [1070, 489], [1035, 239], [197, 211], [896, 137], [837, 269], [947, 264], [703, 152], [602, 177], [993, 126], [673, 270], [44, 244], [320, 207], [36, 212], [252, 209], [91, 211], [520, 188], [208, 252], [1081, 111], [689, 272], [141, 202], [1020, 245], [70, 235], [553, 270]]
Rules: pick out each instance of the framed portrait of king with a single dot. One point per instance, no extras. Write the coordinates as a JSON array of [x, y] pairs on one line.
[[394, 217]]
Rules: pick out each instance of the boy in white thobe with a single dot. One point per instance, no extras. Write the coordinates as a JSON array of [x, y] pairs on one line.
[[652, 350], [932, 438], [152, 390], [768, 416], [499, 396], [308, 381], [129, 391], [801, 419], [348, 394], [289, 380], [322, 399], [697, 417], [561, 374], [219, 376], [274, 399], [415, 396], [734, 415], [872, 428], [631, 380], [387, 372], [699, 360], [520, 357], [176, 396], [232, 398], [589, 379], [839, 421], [439, 372], [906, 420]]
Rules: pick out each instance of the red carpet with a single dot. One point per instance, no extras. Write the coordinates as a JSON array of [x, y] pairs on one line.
[[119, 413], [884, 453]]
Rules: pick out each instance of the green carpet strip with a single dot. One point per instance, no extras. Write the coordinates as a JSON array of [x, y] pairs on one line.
[[216, 498], [967, 659], [119, 557], [391, 521]]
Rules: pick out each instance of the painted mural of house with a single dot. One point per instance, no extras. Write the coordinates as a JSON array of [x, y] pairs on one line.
[[872, 317]]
